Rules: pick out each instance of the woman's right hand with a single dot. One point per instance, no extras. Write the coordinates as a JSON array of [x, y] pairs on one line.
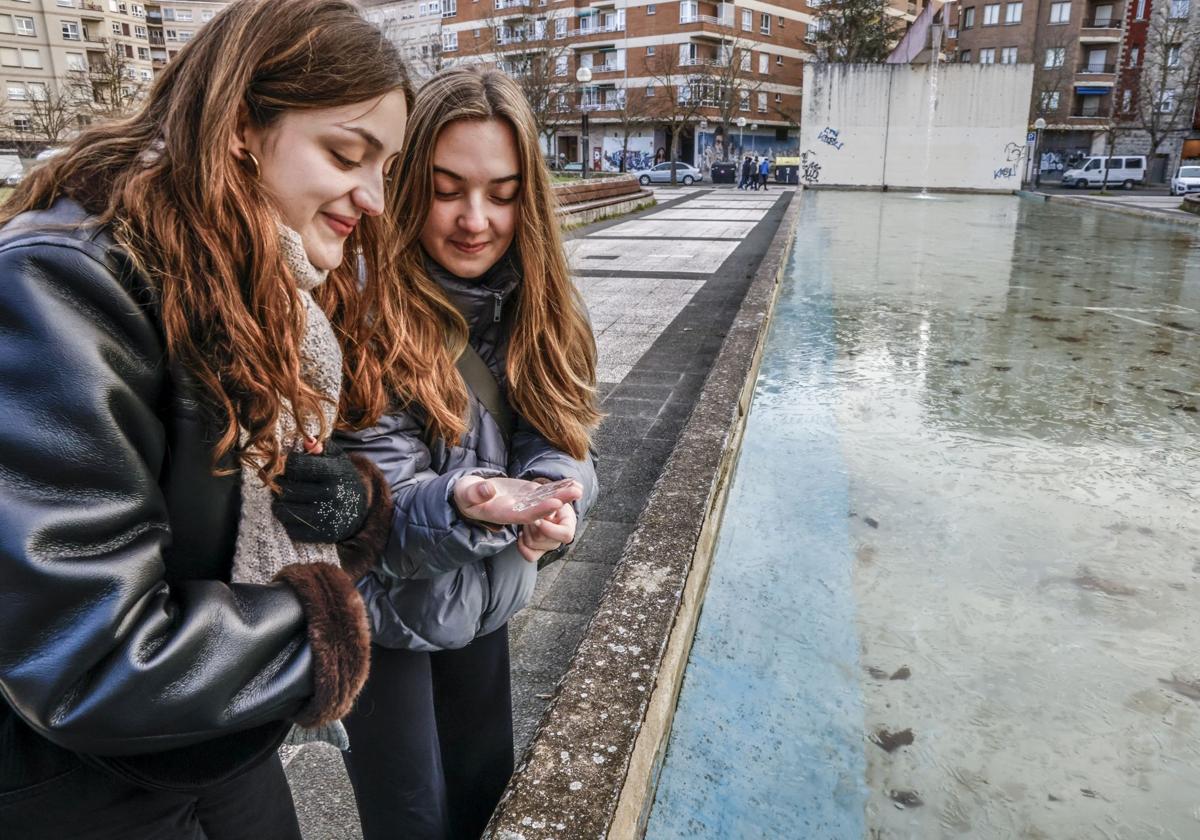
[[495, 501]]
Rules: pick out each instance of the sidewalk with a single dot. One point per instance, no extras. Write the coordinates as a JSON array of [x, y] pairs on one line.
[[662, 287], [1160, 207]]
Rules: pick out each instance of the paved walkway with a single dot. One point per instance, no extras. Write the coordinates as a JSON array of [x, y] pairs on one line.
[[662, 287], [1164, 206]]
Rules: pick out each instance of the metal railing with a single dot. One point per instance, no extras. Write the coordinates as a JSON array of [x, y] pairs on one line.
[[1091, 67], [1091, 114], [1102, 23], [511, 4], [709, 19], [597, 30]]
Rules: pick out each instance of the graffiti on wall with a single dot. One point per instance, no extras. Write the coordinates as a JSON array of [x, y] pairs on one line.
[[638, 156], [1014, 153], [829, 136], [810, 170]]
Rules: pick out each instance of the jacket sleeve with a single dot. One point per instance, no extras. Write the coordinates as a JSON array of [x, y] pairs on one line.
[[532, 456], [428, 536], [97, 652]]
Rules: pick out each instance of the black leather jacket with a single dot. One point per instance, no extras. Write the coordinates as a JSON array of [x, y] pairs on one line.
[[121, 641]]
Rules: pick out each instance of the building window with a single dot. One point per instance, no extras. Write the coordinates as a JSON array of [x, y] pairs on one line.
[[560, 28], [143, 53], [1126, 99], [31, 59], [183, 15], [1180, 8], [560, 66], [1166, 102], [449, 41], [764, 63], [762, 103], [10, 57], [764, 23], [1134, 54], [24, 26], [449, 8], [968, 18], [778, 61], [778, 98], [650, 50], [76, 61], [1141, 10], [1012, 13], [70, 30], [20, 122], [747, 20], [965, 57], [649, 91], [17, 92], [171, 35], [206, 15], [116, 28], [139, 31], [1060, 12], [991, 14], [1055, 57], [743, 100], [1008, 55], [168, 14], [1173, 55], [1049, 100], [689, 11], [651, 9], [987, 56]]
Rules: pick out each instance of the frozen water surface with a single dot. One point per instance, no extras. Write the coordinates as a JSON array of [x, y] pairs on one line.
[[957, 590]]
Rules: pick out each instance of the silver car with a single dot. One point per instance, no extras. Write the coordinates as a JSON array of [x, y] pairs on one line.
[[1187, 180], [661, 174]]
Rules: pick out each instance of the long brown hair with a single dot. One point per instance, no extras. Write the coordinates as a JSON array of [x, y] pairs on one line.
[[552, 352], [203, 231]]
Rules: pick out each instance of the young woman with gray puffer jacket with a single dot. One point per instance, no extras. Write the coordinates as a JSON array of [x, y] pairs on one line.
[[431, 738]]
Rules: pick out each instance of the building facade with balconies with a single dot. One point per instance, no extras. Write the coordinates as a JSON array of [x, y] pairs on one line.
[[1075, 47], [727, 60]]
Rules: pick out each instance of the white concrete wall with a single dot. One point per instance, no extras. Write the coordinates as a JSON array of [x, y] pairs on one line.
[[868, 125]]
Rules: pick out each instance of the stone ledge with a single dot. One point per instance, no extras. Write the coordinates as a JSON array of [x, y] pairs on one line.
[[591, 768], [574, 215], [1177, 217]]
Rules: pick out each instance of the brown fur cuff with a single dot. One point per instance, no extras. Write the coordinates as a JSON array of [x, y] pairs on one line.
[[361, 552], [339, 637]]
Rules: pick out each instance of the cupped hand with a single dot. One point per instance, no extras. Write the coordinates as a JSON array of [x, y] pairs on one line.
[[505, 501], [547, 534]]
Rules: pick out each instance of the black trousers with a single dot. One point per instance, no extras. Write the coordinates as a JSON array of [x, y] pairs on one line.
[[431, 741], [89, 804]]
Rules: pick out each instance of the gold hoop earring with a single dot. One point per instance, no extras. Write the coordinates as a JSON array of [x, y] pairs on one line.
[[253, 161]]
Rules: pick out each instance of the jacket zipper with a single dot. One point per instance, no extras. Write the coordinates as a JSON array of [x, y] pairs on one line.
[[498, 308]]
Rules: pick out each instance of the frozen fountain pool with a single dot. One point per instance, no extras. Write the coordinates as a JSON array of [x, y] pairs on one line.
[[957, 589]]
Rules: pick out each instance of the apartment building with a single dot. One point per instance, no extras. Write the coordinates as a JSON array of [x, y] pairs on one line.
[[174, 24], [636, 52], [1075, 47], [415, 27]]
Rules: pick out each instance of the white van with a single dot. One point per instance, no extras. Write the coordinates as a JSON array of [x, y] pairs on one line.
[[1123, 171]]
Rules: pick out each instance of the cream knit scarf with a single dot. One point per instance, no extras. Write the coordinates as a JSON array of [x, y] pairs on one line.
[[263, 546]]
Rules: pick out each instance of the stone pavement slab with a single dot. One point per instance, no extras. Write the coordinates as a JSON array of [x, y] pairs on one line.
[[751, 214], [658, 332]]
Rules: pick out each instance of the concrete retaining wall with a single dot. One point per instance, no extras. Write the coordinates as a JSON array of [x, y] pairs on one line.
[[870, 125]]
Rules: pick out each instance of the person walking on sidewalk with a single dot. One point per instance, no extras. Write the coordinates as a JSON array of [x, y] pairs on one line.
[[754, 174], [157, 321], [764, 170], [745, 181], [431, 737]]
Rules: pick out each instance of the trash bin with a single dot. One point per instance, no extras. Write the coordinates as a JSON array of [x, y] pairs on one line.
[[787, 174], [724, 173]]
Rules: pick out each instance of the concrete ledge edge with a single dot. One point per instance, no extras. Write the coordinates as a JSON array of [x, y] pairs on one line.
[[591, 767], [1140, 212]]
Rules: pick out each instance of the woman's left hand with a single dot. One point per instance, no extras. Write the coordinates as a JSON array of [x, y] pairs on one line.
[[547, 534]]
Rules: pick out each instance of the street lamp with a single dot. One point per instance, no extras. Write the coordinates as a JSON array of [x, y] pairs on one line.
[[741, 124], [584, 75], [1039, 125]]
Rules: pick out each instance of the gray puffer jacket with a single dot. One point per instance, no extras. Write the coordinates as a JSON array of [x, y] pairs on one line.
[[445, 580]]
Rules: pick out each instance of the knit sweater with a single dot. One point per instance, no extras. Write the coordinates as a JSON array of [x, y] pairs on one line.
[[263, 546]]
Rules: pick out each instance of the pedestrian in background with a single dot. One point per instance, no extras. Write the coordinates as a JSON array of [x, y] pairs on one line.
[[764, 169], [754, 174], [154, 344], [431, 736], [745, 181]]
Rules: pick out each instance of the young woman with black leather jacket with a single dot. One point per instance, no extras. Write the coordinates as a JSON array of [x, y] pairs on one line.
[[160, 280]]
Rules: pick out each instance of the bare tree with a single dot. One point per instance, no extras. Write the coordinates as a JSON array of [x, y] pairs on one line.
[[855, 31], [680, 89], [116, 87], [535, 50], [1165, 98], [422, 51], [632, 115], [733, 82], [1053, 75]]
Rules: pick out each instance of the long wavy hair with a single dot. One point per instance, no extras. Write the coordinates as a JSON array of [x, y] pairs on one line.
[[552, 351], [202, 229]]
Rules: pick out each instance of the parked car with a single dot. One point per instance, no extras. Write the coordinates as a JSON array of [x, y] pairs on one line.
[[1125, 171], [11, 168], [1186, 180], [661, 174]]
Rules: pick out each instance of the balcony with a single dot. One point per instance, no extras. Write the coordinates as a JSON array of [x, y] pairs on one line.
[[512, 4], [1089, 68], [154, 18], [708, 27], [1101, 30]]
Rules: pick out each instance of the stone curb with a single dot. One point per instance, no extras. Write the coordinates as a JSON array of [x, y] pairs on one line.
[[591, 768], [1141, 212], [577, 215]]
